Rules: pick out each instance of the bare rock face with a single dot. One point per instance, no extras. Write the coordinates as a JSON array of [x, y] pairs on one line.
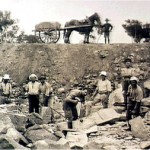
[[9, 143], [36, 133]]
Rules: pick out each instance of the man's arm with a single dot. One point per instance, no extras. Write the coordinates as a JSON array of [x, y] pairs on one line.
[[111, 27]]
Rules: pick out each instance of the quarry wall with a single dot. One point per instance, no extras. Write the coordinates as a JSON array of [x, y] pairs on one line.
[[67, 63]]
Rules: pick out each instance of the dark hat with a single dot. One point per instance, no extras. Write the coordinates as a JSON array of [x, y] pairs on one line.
[[127, 60], [107, 19], [42, 77]]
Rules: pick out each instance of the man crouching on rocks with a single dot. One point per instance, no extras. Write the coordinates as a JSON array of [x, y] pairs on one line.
[[71, 102], [102, 91]]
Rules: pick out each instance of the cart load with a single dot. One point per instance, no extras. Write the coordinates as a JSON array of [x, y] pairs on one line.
[[49, 32], [47, 25]]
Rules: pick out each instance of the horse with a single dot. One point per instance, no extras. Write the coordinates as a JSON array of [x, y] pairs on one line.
[[76, 25]]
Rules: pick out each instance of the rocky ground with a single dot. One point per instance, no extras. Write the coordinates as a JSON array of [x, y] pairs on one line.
[[65, 66], [102, 129]]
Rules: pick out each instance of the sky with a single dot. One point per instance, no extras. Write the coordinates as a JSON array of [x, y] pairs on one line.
[[31, 12]]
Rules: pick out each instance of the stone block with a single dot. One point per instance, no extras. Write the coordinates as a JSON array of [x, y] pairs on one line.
[[145, 144], [9, 143], [5, 122], [139, 129], [77, 139], [15, 135], [37, 133], [19, 120], [97, 118], [35, 118], [46, 114]]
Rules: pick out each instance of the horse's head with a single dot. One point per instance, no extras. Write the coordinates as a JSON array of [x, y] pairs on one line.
[[96, 21]]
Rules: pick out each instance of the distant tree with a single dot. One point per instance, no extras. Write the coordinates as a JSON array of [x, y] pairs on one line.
[[137, 30], [8, 26]]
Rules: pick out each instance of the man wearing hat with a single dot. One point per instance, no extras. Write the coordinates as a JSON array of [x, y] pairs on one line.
[[134, 95], [106, 28], [102, 91], [6, 87], [71, 102], [45, 91], [33, 90], [127, 72]]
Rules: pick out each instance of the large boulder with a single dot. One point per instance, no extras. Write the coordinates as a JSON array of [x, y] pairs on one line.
[[36, 133], [35, 118], [97, 118], [9, 143], [5, 123], [19, 121], [15, 135], [139, 129]]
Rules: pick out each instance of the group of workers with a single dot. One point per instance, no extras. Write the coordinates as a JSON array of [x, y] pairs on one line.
[[38, 91], [125, 93], [123, 96]]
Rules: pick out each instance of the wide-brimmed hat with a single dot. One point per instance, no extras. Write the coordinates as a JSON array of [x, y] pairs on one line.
[[6, 76], [104, 73], [107, 19], [134, 79], [33, 76]]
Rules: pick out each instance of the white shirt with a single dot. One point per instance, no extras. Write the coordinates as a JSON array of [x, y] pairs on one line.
[[33, 88], [104, 86]]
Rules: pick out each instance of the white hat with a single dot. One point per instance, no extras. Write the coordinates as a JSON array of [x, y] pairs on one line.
[[33, 76], [134, 79], [6, 76], [103, 73]]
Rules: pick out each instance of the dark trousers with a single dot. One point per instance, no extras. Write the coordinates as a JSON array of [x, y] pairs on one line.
[[130, 107], [126, 84], [46, 100], [70, 111], [33, 103]]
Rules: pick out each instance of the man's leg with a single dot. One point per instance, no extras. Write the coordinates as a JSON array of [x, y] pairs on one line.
[[97, 99], [46, 100], [30, 98], [36, 103], [74, 113], [104, 99]]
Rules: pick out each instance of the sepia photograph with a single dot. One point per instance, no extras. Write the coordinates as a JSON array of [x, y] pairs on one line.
[[75, 74]]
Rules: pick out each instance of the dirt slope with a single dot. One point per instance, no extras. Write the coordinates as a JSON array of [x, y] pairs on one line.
[[67, 63]]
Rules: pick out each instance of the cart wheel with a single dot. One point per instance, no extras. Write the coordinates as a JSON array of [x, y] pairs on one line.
[[51, 36]]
